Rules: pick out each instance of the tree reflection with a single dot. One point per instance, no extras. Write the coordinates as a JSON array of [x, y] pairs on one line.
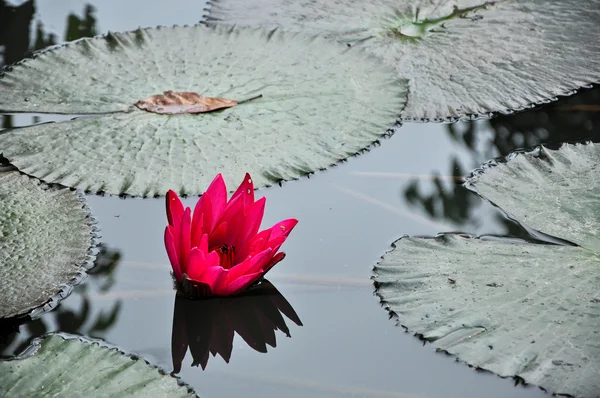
[[208, 326], [574, 118], [81, 27], [64, 319]]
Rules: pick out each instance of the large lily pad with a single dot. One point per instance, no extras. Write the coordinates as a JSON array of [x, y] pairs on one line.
[[46, 242], [321, 102], [462, 57], [516, 309], [67, 366], [513, 307]]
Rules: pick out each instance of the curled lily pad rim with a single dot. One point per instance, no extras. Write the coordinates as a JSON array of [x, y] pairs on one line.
[[36, 343], [470, 183], [87, 264]]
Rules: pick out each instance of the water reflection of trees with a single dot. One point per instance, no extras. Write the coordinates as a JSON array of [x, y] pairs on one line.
[[574, 118], [15, 35], [64, 319], [16, 26]]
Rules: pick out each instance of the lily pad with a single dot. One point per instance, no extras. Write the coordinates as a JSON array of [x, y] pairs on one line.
[[462, 57], [509, 306], [321, 102], [68, 366], [516, 309], [553, 191], [46, 244]]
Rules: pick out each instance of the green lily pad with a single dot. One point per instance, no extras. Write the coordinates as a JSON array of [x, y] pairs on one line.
[[462, 57], [46, 243], [516, 309], [513, 307], [553, 191], [321, 102], [68, 366]]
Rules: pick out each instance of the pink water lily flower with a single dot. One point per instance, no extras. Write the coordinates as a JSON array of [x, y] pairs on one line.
[[218, 249]]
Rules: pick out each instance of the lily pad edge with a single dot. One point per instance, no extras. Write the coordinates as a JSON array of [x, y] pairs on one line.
[[89, 262], [398, 323], [36, 343]]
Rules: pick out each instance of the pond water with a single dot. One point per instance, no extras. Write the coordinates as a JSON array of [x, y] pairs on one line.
[[349, 216]]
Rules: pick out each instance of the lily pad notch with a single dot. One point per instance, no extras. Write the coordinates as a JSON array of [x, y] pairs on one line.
[[60, 364], [48, 240], [513, 307], [309, 103]]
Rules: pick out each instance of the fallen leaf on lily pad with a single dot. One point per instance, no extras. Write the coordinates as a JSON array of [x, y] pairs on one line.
[[173, 103]]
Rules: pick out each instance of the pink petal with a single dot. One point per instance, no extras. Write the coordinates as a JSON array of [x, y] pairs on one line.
[[199, 262], [184, 243], [174, 209], [251, 265], [277, 258], [234, 207], [254, 215], [198, 223], [253, 245], [217, 192], [283, 228], [203, 244], [172, 253], [245, 191], [217, 238], [239, 284]]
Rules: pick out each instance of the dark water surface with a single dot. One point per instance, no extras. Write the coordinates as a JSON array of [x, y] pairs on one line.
[[348, 216]]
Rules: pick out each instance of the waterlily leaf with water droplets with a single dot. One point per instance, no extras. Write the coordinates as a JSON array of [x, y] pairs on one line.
[[516, 309], [556, 192], [462, 57], [321, 103], [67, 366], [46, 241]]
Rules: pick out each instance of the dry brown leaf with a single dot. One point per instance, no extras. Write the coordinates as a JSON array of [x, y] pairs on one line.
[[173, 103]]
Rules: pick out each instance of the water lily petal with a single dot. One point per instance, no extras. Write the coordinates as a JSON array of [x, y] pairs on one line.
[[239, 284], [217, 192], [253, 218], [172, 253], [245, 191], [283, 228], [217, 238], [202, 267], [277, 258], [251, 265], [199, 220], [174, 209], [184, 244]]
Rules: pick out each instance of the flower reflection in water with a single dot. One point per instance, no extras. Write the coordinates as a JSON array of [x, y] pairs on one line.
[[208, 326]]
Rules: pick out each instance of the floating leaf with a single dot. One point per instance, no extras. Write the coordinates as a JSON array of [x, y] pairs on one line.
[[553, 191], [174, 103], [462, 57], [46, 237], [516, 309], [513, 307], [322, 102], [67, 366]]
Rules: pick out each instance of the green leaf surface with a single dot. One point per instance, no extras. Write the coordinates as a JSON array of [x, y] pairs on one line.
[[46, 241], [513, 308], [462, 57], [67, 366], [553, 191], [321, 103]]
